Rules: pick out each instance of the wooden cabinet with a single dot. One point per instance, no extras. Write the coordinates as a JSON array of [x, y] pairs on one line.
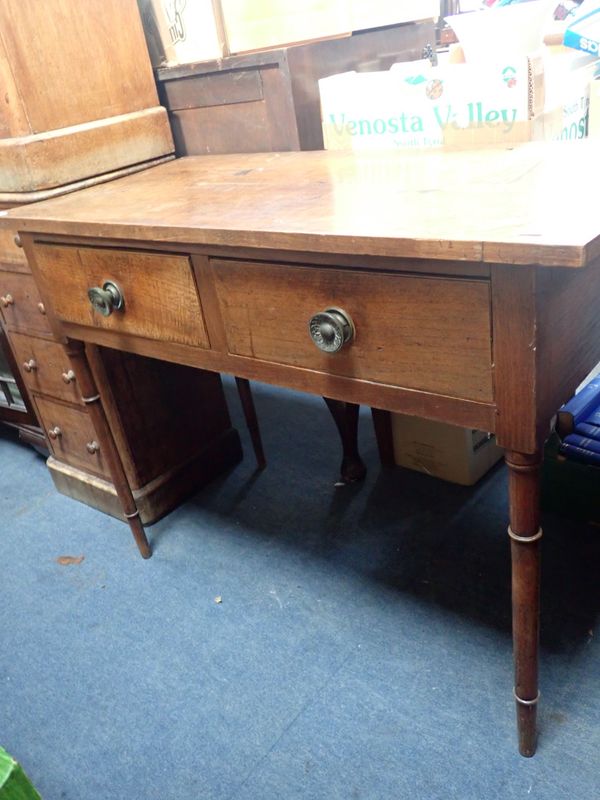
[[79, 95], [81, 107], [269, 101]]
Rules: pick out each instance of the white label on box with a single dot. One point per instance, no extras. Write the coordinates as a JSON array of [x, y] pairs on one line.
[[413, 108]]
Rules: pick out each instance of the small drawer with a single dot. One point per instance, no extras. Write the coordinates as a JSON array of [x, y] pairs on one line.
[[415, 332], [21, 305], [71, 436], [158, 291], [45, 368]]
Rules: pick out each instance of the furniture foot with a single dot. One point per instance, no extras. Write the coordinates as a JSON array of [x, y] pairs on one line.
[[89, 391], [345, 416], [525, 540], [245, 393], [382, 422]]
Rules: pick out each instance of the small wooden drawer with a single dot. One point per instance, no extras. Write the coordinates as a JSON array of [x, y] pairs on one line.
[[21, 305], [71, 436], [45, 368], [159, 291], [414, 332]]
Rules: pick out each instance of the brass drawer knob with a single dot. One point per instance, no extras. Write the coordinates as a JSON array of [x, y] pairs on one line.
[[54, 433], [107, 299], [7, 300], [18, 241], [68, 377], [41, 308], [92, 447], [331, 329], [30, 366]]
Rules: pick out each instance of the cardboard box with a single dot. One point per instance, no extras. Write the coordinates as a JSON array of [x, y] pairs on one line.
[[443, 451], [594, 113], [417, 105], [183, 31], [584, 33], [544, 96]]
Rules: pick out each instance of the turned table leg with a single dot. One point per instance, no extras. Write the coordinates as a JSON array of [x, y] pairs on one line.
[[345, 416], [245, 393], [525, 540], [89, 391]]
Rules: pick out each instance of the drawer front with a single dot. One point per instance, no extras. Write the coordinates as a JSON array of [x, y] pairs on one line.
[[159, 291], [21, 305], [45, 368], [70, 433], [426, 333]]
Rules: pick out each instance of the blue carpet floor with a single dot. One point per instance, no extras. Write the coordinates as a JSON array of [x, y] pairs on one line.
[[361, 650]]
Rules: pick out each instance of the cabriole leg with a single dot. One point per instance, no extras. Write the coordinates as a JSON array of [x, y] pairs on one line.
[[525, 540], [345, 416]]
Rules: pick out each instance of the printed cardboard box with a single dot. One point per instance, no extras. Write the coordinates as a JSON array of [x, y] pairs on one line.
[[541, 97], [444, 451], [417, 105], [594, 117]]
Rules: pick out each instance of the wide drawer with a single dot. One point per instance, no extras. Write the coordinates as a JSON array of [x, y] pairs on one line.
[[20, 303], [71, 436], [417, 332], [159, 291], [45, 367]]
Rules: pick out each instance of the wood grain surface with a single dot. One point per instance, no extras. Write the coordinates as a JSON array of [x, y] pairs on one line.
[[498, 205], [161, 301], [441, 345]]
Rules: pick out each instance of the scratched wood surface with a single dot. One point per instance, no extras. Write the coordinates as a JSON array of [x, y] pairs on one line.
[[160, 298], [442, 345], [497, 205]]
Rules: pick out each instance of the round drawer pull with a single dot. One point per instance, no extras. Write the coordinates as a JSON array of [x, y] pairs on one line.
[[68, 377], [18, 241], [30, 366], [107, 299], [92, 447], [331, 329], [54, 433], [7, 300], [41, 308]]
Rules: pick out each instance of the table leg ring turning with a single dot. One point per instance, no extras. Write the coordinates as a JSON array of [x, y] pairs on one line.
[[525, 539]]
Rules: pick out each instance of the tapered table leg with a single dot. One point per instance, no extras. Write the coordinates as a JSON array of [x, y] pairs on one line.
[[345, 416], [89, 391], [245, 393], [525, 539]]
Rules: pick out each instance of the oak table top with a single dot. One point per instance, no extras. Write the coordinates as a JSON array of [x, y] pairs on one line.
[[527, 204]]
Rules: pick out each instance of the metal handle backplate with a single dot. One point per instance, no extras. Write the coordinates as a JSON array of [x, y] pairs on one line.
[[331, 329], [107, 299]]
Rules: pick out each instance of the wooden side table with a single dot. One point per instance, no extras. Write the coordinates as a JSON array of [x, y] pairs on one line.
[[443, 284]]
